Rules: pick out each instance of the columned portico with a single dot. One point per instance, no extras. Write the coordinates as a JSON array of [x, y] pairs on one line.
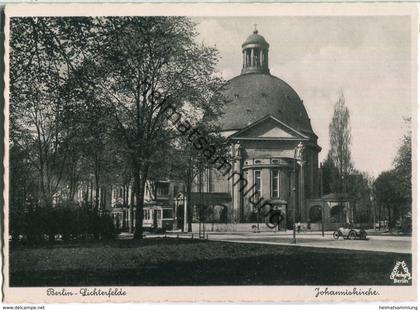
[[301, 193], [237, 183]]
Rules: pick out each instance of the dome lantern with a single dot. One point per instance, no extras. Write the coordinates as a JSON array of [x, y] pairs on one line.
[[255, 54]]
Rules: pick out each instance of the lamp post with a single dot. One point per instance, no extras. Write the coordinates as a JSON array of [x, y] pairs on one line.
[[342, 198], [185, 219], [298, 159], [294, 198], [372, 205], [322, 199]]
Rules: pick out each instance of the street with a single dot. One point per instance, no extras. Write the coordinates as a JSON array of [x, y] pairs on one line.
[[396, 244], [378, 243]]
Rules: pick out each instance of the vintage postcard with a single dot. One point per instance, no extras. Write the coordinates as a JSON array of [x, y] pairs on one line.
[[210, 152]]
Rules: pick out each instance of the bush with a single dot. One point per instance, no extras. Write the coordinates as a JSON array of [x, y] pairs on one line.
[[106, 227], [66, 222], [406, 225]]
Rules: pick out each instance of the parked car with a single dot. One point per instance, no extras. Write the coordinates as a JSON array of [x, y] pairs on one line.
[[350, 233]]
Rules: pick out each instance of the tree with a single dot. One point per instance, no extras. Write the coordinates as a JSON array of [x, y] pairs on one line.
[[94, 136], [340, 141], [142, 66], [359, 189], [190, 160], [330, 176], [188, 165], [37, 74], [393, 188], [387, 195], [403, 165], [91, 95], [339, 175]]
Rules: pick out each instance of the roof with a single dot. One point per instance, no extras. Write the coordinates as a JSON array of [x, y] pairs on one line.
[[297, 135], [255, 38], [250, 97], [277, 201]]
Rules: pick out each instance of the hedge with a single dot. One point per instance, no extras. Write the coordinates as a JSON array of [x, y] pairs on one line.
[[59, 222]]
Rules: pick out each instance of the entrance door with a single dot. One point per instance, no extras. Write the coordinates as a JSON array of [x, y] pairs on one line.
[[180, 217], [277, 217], [159, 218], [154, 212]]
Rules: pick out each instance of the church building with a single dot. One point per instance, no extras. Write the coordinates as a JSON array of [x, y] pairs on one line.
[[267, 124]]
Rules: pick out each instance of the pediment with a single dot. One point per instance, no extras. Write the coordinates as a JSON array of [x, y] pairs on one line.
[[269, 128]]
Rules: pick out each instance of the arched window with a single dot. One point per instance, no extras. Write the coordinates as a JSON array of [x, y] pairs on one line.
[[315, 214], [275, 183], [257, 181], [337, 214], [257, 57]]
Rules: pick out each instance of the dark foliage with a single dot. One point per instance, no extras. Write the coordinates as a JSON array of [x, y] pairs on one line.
[[59, 223], [393, 188], [89, 99]]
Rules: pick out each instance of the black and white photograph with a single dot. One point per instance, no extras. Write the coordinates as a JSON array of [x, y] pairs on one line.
[[230, 148]]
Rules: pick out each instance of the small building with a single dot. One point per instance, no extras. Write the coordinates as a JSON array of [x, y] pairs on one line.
[[337, 210], [159, 209]]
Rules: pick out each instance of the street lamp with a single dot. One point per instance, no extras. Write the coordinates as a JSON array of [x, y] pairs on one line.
[[298, 159], [372, 206], [321, 167]]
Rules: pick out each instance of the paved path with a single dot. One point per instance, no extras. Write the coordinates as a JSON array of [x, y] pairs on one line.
[[396, 244]]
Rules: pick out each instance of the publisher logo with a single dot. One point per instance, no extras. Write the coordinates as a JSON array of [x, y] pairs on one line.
[[400, 273]]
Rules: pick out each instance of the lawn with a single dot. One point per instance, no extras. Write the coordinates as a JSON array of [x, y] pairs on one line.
[[172, 261]]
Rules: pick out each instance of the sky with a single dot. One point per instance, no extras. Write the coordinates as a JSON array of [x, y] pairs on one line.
[[366, 58]]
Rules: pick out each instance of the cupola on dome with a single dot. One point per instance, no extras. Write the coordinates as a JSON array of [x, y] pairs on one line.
[[255, 38], [255, 54]]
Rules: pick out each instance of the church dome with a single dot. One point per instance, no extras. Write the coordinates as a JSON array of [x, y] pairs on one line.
[[250, 97], [256, 93]]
